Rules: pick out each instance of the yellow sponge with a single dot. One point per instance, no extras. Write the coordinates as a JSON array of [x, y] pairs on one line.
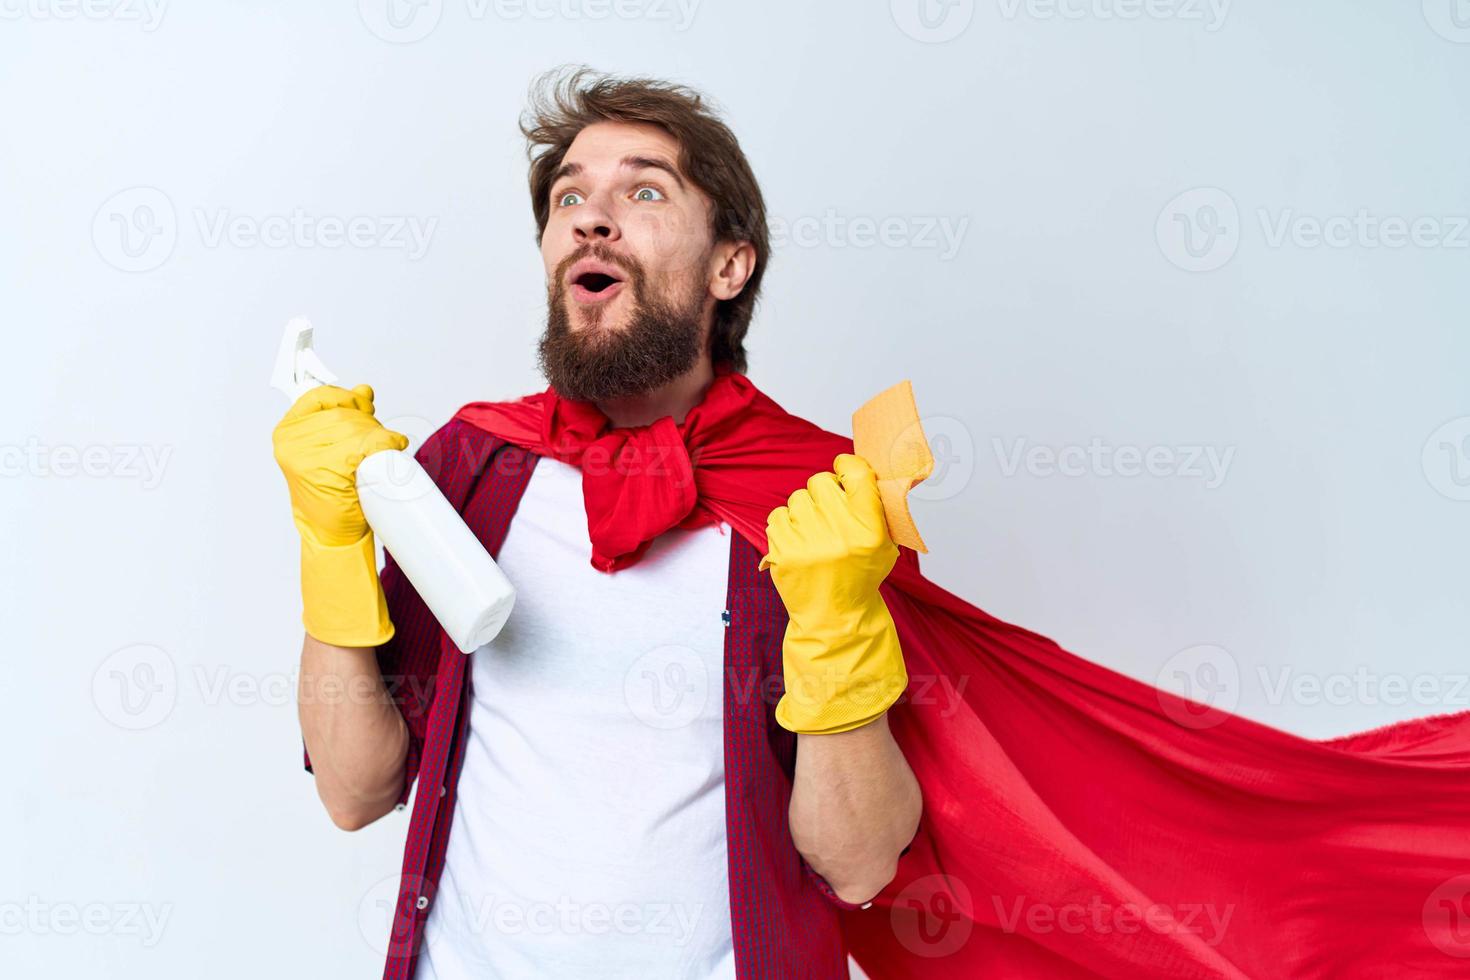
[[886, 432]]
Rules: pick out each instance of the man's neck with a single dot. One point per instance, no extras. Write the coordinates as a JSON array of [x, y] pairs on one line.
[[675, 398]]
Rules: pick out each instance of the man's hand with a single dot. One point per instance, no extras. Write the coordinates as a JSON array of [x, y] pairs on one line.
[[828, 550], [319, 443]]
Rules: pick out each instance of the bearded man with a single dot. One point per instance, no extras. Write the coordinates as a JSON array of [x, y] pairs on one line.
[[589, 776], [731, 730]]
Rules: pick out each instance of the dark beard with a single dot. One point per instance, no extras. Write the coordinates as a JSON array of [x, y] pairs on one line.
[[661, 340]]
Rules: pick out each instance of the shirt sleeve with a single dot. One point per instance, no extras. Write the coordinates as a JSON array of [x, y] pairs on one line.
[[826, 889]]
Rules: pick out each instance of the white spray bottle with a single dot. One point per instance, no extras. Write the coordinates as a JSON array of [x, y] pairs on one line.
[[456, 577]]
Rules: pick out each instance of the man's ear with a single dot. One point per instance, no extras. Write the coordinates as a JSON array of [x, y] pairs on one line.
[[731, 266]]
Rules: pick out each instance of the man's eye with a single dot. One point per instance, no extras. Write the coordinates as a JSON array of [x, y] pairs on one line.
[[563, 201], [638, 194]]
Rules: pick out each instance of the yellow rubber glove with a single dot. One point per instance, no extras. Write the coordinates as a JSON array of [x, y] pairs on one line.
[[828, 550], [318, 444]]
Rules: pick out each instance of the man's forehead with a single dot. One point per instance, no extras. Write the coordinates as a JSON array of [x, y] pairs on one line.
[[604, 145]]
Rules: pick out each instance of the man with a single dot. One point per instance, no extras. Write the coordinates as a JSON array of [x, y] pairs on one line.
[[578, 796], [615, 786]]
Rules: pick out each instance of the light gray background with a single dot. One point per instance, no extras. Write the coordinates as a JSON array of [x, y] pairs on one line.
[[1115, 180]]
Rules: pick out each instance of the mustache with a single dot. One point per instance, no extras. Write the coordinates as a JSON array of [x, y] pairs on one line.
[[631, 267]]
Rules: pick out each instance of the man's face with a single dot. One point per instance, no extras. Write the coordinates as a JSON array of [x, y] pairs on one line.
[[628, 252]]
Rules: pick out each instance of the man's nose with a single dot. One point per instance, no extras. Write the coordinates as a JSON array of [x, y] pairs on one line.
[[594, 222]]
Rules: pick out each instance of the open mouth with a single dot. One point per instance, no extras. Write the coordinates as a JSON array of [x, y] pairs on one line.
[[594, 282]]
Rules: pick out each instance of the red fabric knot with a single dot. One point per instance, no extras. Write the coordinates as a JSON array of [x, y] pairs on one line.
[[637, 481]]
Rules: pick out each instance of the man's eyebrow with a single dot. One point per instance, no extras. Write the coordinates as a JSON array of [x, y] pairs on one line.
[[654, 163], [628, 163]]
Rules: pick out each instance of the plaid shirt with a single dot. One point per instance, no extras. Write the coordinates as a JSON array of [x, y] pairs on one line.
[[783, 915]]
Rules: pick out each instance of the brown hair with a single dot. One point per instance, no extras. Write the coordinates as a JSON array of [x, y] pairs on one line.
[[562, 102]]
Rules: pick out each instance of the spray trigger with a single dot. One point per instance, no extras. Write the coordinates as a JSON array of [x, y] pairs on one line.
[[298, 369]]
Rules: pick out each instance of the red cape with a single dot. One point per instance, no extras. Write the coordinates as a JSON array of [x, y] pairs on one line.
[[1078, 822]]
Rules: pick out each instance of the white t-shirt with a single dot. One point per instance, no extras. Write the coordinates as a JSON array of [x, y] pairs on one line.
[[588, 837]]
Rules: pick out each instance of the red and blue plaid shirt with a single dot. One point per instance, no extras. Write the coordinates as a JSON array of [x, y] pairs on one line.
[[783, 915]]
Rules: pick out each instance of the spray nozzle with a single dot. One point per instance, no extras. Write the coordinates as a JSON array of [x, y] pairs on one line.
[[298, 369]]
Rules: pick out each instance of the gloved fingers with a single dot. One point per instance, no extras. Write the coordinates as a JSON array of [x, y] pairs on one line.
[[364, 399], [825, 490], [321, 398], [778, 530], [802, 509], [860, 485], [375, 440]]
